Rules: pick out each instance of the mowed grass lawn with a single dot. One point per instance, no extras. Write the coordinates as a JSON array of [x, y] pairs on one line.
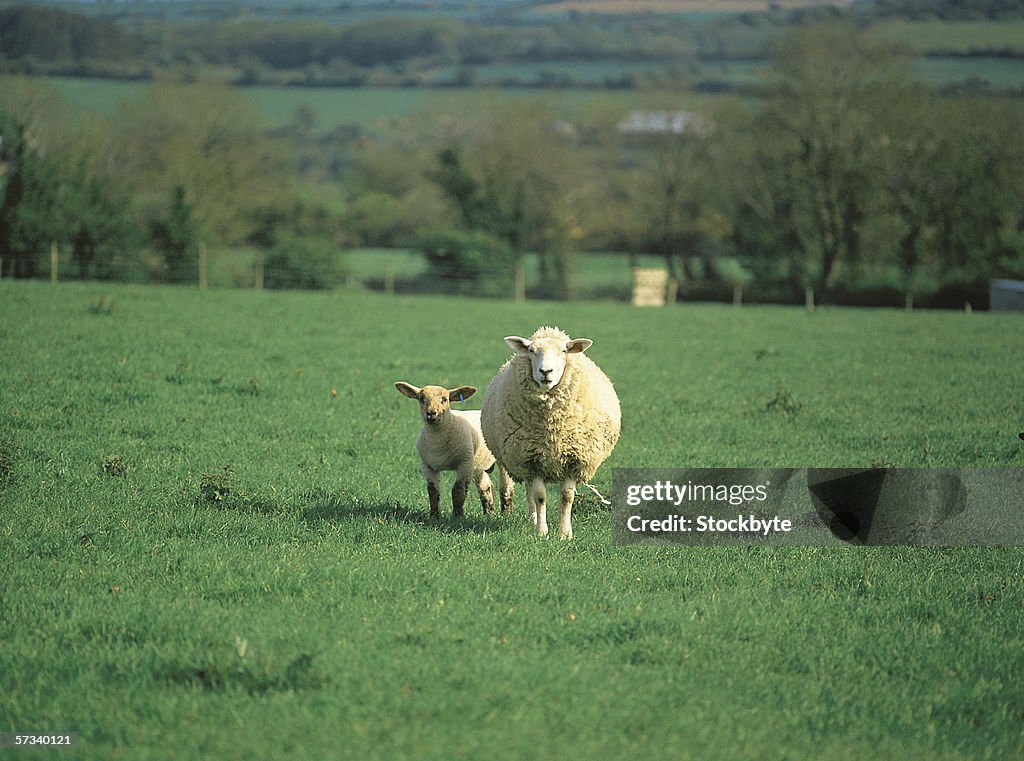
[[215, 541]]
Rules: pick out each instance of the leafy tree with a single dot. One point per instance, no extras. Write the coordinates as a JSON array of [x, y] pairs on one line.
[[678, 198], [980, 185], [28, 221], [58, 188], [57, 35], [461, 187], [391, 202], [514, 175], [818, 150], [208, 141], [470, 262], [308, 263], [175, 237], [951, 179], [101, 235]]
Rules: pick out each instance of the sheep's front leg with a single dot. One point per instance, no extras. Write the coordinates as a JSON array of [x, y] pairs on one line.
[[537, 496], [565, 508], [486, 491], [459, 490], [433, 479]]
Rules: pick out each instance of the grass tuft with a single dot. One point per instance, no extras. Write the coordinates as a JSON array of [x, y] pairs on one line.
[[783, 402], [115, 466], [216, 487]]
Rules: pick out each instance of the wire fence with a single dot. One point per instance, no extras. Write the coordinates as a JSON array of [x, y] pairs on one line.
[[640, 279]]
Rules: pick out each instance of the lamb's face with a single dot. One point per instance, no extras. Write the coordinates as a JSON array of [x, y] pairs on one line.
[[434, 401], [548, 356]]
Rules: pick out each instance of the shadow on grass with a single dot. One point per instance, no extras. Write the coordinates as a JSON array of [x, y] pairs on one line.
[[325, 507], [298, 675]]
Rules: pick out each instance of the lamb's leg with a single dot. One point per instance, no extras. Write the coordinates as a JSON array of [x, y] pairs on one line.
[[506, 486], [434, 494], [459, 490], [483, 486], [537, 495], [565, 508], [433, 479]]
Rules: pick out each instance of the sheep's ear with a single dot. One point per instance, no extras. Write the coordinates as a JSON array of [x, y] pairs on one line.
[[461, 393], [408, 389], [517, 344], [578, 345]]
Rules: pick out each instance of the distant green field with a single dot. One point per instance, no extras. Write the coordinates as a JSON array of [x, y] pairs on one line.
[[367, 107], [378, 108], [999, 73], [371, 108], [952, 36], [215, 543], [583, 72]]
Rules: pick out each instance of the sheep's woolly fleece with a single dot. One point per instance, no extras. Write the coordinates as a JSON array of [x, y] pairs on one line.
[[566, 432]]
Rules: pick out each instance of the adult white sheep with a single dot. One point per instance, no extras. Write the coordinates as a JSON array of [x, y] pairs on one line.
[[451, 440], [550, 414]]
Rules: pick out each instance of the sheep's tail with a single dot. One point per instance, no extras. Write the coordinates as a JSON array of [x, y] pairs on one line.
[[600, 496]]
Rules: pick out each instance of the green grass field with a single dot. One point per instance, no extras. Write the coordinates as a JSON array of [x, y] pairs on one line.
[[215, 541], [937, 36], [372, 108]]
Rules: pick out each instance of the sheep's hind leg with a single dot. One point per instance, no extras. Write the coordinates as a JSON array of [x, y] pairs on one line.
[[537, 495], [565, 508], [483, 485], [506, 487]]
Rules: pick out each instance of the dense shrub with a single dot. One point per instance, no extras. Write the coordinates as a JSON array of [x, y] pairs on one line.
[[306, 263], [471, 262]]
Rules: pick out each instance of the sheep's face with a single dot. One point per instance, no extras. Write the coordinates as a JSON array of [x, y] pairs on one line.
[[434, 401], [547, 356]]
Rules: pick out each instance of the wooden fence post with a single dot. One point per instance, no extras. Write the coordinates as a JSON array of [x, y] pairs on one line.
[[53, 262], [520, 281], [809, 298]]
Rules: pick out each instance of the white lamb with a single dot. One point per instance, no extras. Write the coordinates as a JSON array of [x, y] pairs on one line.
[[451, 440], [550, 414]]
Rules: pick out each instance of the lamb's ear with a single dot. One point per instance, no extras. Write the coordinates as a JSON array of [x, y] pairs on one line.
[[408, 389], [517, 344], [461, 393], [578, 345]]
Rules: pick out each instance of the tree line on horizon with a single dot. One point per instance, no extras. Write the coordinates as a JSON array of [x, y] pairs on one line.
[[391, 49], [850, 177]]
